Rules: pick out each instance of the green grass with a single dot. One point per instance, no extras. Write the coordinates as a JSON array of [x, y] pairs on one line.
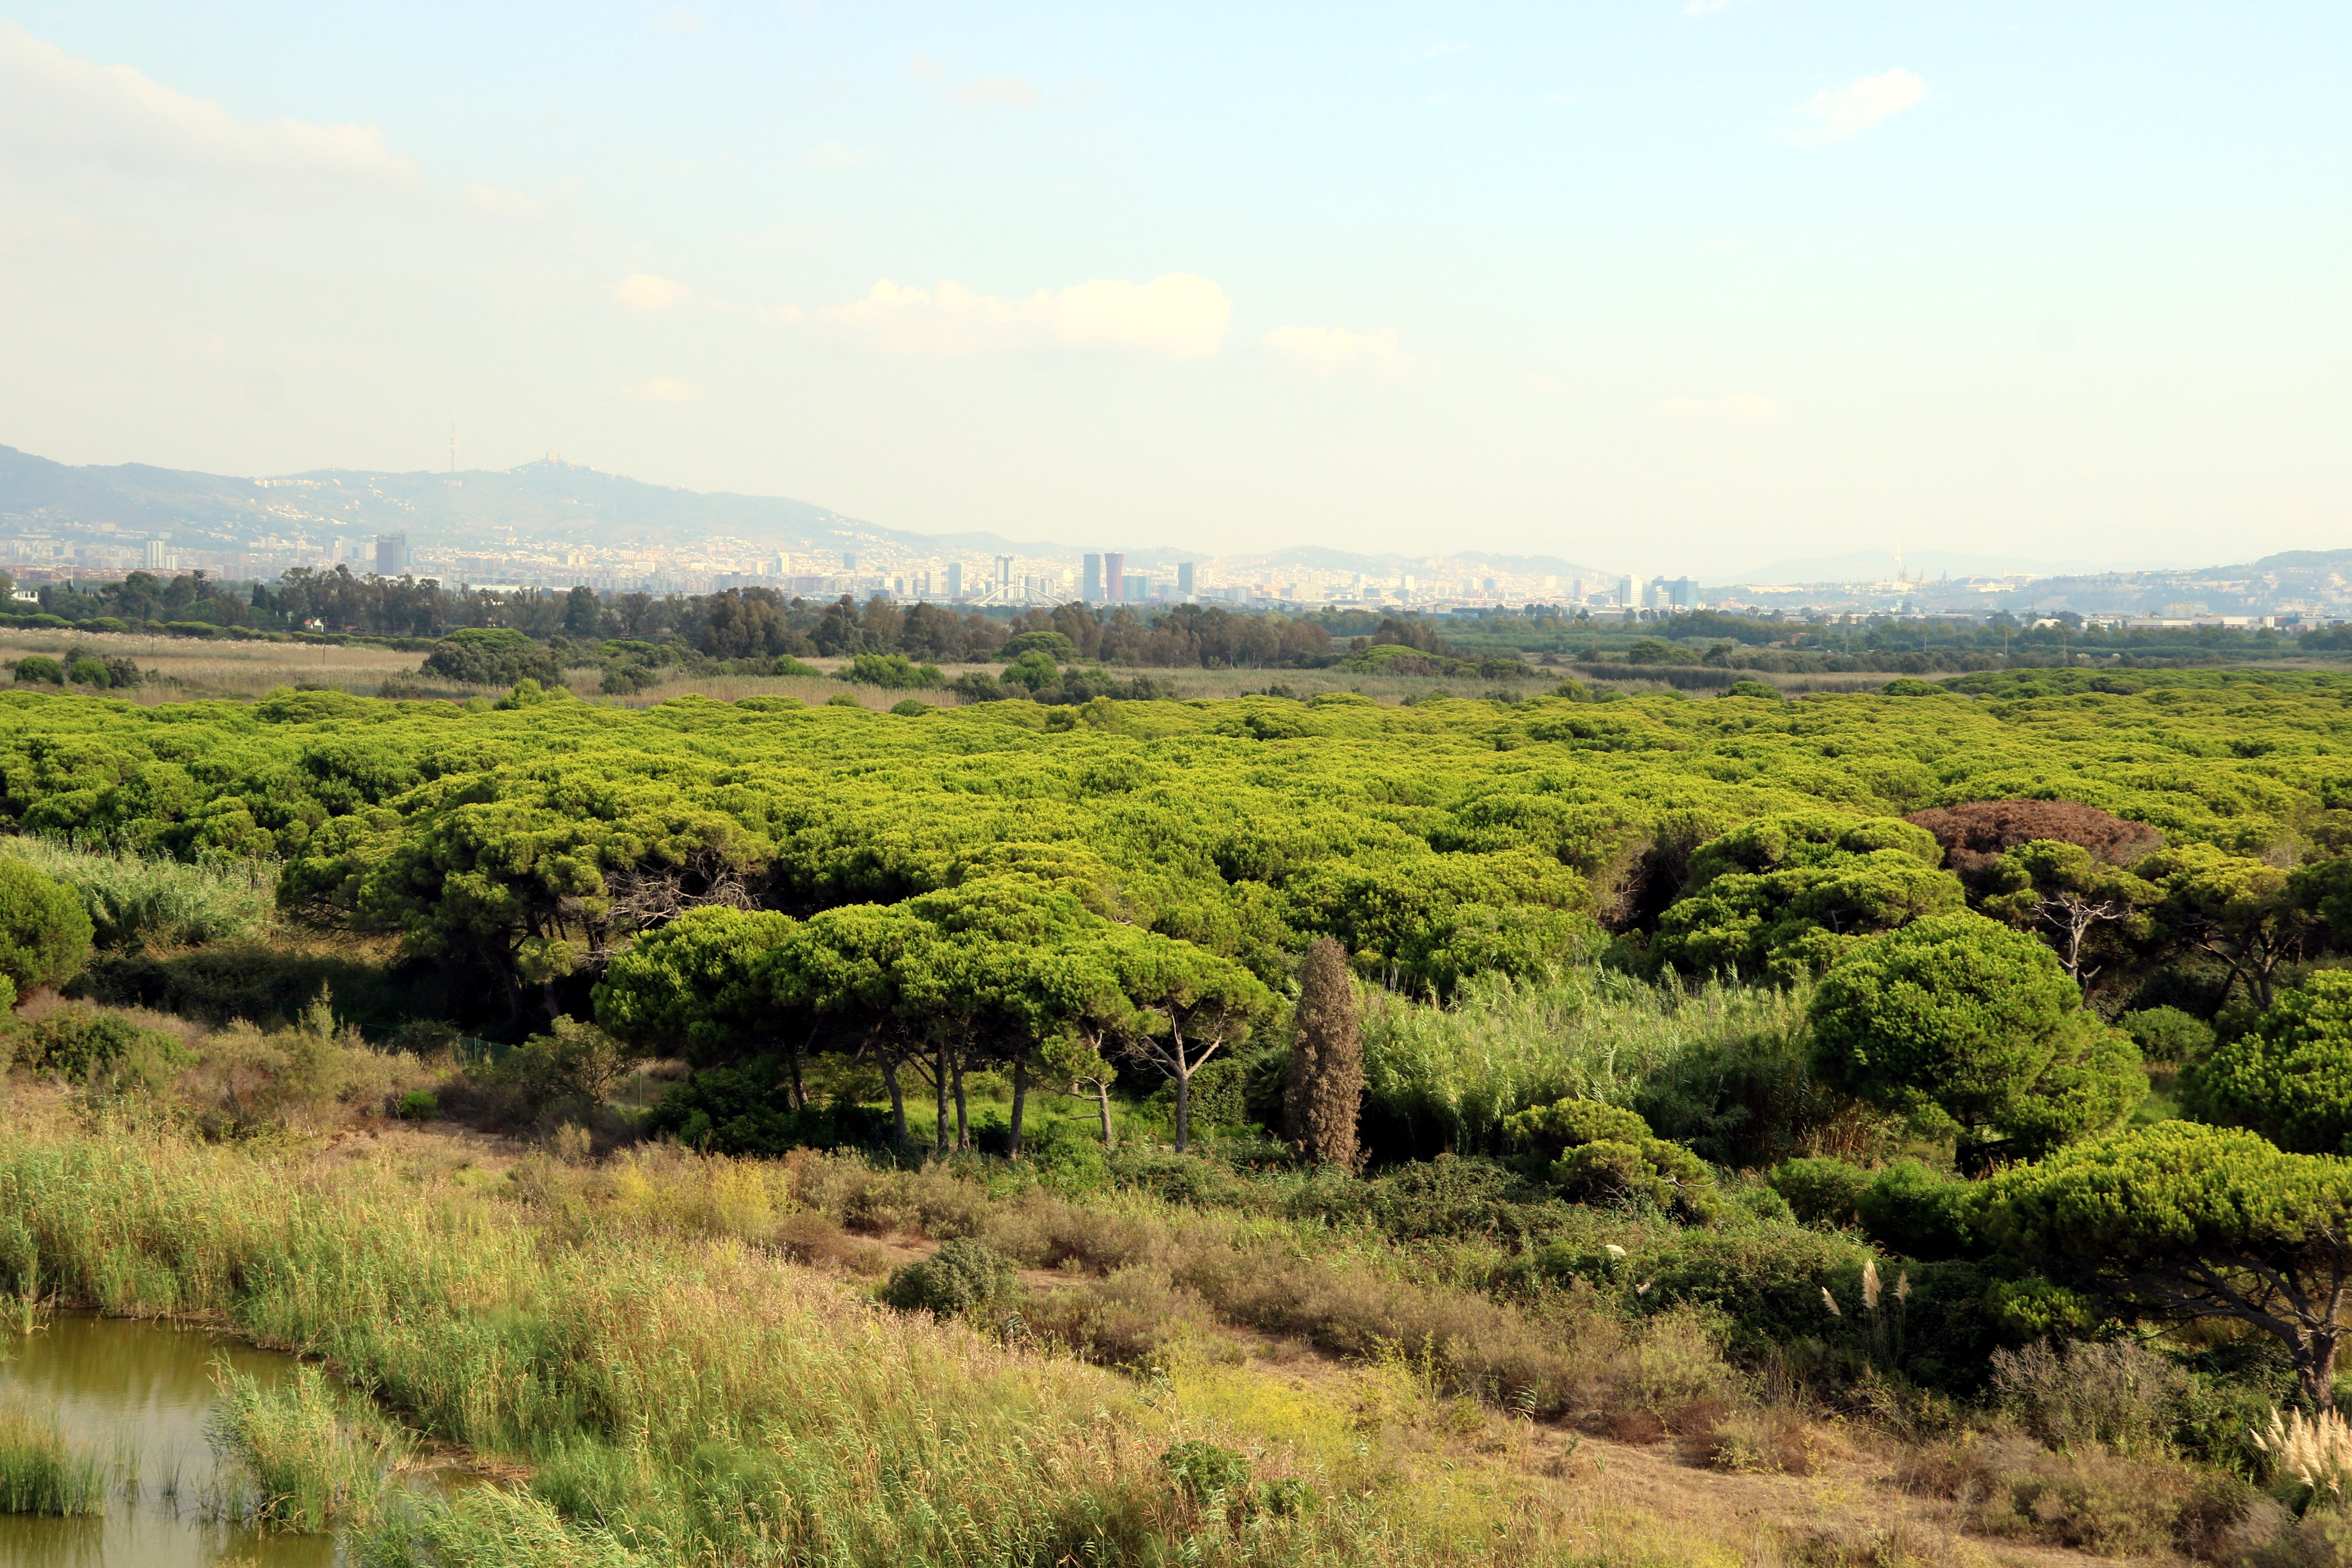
[[303, 1456], [40, 1471]]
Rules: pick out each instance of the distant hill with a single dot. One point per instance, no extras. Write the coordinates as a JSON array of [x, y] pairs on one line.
[[552, 501]]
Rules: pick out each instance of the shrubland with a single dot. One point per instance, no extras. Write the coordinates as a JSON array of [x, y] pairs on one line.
[[1129, 1129]]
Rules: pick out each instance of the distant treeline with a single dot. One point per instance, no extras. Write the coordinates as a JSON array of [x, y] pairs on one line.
[[759, 623]]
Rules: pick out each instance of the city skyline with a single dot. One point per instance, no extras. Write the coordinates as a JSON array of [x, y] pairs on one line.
[[1728, 278]]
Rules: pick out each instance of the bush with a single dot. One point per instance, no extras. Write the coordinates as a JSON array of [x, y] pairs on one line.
[[1600, 1153], [575, 1063], [2167, 1036], [106, 1051], [418, 1105], [44, 930], [491, 655], [1826, 1192], [35, 670], [2075, 1394], [963, 1275], [1206, 1473], [891, 671]]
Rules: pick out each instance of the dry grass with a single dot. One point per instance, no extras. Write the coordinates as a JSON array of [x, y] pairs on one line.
[[179, 669]]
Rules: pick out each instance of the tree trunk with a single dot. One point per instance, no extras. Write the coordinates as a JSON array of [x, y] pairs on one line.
[[1102, 1103], [897, 1101], [1184, 1100], [963, 1125], [2317, 1371], [1020, 1100], [800, 1093], [939, 1095]]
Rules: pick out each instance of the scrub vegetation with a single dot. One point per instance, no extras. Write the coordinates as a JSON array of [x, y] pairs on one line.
[[1256, 1130]]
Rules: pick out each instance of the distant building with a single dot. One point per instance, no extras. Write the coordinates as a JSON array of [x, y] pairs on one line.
[[1090, 586], [1626, 592], [392, 554], [159, 553], [1184, 579], [849, 560], [955, 579], [1114, 571]]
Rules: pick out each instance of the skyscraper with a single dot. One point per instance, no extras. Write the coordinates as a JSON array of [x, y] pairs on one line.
[[391, 555], [1183, 579], [1114, 570], [1090, 586], [955, 579]]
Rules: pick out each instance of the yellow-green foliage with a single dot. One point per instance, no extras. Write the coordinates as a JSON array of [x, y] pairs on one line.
[[1439, 840]]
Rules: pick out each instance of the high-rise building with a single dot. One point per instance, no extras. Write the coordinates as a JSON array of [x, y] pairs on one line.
[[849, 560], [1090, 582], [1626, 592], [391, 555], [1114, 571], [1004, 572], [955, 579], [159, 553], [1183, 579]]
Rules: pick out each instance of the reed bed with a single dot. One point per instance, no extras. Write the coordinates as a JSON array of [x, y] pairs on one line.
[[304, 1456], [689, 1398], [41, 1470], [135, 899]]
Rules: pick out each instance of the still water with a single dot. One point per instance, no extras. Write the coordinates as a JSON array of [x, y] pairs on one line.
[[124, 1388]]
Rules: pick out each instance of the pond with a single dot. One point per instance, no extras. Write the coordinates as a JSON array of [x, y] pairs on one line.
[[138, 1393]]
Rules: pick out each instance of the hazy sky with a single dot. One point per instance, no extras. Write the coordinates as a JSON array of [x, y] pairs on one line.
[[1694, 285]]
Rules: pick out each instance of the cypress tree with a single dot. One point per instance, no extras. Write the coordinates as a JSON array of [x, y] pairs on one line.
[[1327, 1059]]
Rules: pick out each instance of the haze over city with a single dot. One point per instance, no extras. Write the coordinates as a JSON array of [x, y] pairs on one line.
[[1695, 287]]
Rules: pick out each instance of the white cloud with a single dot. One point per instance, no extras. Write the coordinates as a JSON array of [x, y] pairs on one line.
[[664, 389], [643, 291], [679, 22], [1179, 315], [56, 108], [978, 92], [779, 315], [1740, 408], [1329, 350], [1837, 113], [831, 155]]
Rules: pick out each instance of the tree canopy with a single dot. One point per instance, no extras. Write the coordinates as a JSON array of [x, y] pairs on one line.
[[1963, 1017], [2289, 1077], [2181, 1220]]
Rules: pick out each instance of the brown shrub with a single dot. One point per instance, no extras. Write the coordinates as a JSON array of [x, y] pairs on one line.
[[1774, 1441], [1976, 833], [1904, 1544], [2090, 1500], [1131, 1319]]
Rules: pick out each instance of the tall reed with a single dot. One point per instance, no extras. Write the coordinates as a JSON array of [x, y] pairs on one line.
[[41, 1470], [685, 1399], [135, 898], [1447, 1077], [304, 1455]]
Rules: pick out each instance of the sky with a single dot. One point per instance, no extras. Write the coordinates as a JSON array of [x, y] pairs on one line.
[[1691, 284]]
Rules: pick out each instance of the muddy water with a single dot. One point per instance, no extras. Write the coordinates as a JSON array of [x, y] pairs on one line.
[[138, 1388]]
